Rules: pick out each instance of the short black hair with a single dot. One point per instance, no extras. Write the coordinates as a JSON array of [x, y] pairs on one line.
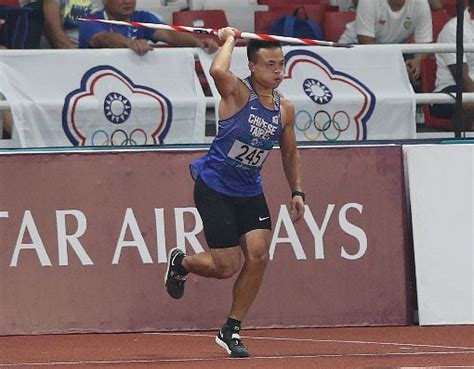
[[254, 45]]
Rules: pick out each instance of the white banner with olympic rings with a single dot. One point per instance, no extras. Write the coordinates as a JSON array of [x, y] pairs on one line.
[[103, 97], [362, 93]]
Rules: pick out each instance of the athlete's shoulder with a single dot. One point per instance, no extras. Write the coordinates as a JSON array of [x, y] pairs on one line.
[[287, 110], [244, 90], [285, 103], [245, 84]]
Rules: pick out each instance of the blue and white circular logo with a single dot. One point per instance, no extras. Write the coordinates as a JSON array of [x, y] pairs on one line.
[[117, 108], [317, 91]]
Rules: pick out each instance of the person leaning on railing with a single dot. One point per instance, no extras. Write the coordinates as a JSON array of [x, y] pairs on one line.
[[349, 36], [392, 22], [446, 67], [101, 35], [21, 25]]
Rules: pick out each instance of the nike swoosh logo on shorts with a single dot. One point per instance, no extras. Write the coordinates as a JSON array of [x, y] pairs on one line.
[[261, 219]]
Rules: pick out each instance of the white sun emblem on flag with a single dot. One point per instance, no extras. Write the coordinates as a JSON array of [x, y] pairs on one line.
[[117, 108], [317, 91]]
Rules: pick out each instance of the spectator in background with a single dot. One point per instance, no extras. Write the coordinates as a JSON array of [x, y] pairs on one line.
[[20, 28], [446, 67], [96, 35], [61, 24], [22, 24], [350, 35], [392, 22]]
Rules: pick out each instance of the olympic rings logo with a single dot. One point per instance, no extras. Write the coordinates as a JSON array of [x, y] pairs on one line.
[[322, 123], [119, 138]]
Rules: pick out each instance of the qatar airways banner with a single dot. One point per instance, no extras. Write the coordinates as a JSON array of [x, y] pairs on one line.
[[361, 93], [84, 240], [103, 97]]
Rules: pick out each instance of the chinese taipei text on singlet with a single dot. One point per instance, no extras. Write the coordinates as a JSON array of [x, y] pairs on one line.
[[232, 165]]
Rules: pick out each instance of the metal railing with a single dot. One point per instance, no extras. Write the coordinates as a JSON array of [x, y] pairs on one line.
[[420, 98]]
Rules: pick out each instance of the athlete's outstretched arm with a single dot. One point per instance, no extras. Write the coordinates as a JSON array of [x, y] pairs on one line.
[[291, 158]]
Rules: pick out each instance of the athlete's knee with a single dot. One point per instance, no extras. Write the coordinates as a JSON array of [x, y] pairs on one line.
[[258, 259]]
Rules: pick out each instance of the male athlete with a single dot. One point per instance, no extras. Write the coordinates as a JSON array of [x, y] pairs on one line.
[[228, 186]]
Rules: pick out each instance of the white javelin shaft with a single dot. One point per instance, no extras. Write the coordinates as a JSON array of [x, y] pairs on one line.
[[211, 31]]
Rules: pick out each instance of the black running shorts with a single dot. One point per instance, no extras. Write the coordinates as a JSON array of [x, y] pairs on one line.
[[226, 218]]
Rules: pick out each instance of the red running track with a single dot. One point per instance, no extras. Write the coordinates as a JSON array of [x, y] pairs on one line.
[[370, 347]]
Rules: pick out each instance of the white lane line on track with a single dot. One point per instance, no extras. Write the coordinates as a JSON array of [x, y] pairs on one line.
[[189, 360], [292, 339]]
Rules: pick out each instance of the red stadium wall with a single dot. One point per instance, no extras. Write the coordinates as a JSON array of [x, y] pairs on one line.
[[84, 239]]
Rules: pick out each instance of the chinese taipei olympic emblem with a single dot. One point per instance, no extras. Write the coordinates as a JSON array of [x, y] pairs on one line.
[[337, 106], [110, 109]]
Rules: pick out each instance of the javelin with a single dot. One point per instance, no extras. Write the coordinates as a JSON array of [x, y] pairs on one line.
[[212, 31]]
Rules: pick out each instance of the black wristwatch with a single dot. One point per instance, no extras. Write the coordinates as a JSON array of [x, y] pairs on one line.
[[298, 193]]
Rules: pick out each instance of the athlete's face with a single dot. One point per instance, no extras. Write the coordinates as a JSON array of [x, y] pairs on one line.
[[269, 67], [120, 9]]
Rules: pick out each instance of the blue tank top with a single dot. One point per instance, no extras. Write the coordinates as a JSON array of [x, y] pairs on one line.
[[232, 165]]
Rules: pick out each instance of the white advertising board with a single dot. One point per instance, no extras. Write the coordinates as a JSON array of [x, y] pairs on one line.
[[441, 185]]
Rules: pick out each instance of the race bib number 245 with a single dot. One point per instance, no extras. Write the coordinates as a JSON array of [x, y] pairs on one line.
[[247, 155]]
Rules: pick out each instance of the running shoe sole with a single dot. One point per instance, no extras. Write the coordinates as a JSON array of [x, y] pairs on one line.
[[222, 344]]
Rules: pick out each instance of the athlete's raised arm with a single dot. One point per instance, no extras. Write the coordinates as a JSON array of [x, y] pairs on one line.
[[234, 93], [227, 83]]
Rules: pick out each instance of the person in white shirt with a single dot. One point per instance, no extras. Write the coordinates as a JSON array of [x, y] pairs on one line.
[[392, 22], [446, 67], [350, 34]]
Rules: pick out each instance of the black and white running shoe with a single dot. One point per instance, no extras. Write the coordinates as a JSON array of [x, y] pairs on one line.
[[232, 343], [174, 277]]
